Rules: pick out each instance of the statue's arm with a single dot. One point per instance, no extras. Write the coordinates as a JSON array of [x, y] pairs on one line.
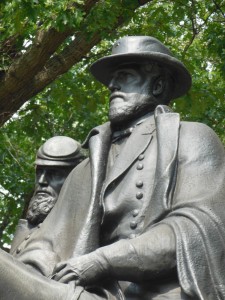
[[148, 256], [145, 257]]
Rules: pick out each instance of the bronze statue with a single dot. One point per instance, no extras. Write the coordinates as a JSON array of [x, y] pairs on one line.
[[55, 159], [144, 217]]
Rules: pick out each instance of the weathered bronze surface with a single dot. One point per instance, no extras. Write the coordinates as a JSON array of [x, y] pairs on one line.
[[54, 161], [142, 218]]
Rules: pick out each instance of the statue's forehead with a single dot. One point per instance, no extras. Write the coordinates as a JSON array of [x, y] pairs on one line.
[[144, 67]]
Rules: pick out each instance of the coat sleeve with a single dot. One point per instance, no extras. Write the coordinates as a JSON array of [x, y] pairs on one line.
[[197, 214]]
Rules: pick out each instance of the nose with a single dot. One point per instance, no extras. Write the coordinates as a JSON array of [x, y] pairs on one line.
[[114, 85], [42, 180]]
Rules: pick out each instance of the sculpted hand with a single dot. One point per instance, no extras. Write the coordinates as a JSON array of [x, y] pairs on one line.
[[84, 270]]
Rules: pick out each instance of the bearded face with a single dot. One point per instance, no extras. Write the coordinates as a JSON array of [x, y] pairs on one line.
[[134, 92], [49, 182], [40, 206]]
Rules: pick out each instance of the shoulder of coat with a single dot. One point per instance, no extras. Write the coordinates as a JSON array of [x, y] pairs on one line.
[[199, 137]]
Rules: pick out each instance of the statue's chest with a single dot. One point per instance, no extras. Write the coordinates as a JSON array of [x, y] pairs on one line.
[[126, 198]]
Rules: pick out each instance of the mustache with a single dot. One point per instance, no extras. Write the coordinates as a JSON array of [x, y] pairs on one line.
[[44, 198], [42, 190], [115, 95]]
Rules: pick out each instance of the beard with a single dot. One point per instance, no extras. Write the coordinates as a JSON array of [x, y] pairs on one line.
[[39, 207], [121, 114], [127, 111]]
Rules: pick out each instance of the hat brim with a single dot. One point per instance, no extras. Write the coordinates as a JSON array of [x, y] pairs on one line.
[[102, 69], [55, 163]]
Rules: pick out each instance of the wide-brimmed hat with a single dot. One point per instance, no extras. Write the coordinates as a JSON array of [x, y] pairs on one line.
[[142, 49], [59, 151]]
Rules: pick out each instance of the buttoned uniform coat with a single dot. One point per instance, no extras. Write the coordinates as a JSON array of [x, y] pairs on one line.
[[183, 187]]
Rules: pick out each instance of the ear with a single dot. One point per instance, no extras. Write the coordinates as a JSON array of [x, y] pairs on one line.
[[158, 86]]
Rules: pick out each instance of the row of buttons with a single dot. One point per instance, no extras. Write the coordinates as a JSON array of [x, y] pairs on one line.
[[139, 194], [19, 249]]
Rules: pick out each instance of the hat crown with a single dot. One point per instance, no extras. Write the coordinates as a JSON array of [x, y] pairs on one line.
[[58, 150], [142, 49], [59, 147], [137, 44]]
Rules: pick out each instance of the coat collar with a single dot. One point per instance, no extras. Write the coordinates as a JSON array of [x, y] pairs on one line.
[[135, 145], [99, 140], [103, 131]]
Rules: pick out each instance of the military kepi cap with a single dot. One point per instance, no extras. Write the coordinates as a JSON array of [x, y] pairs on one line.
[[59, 151], [141, 50]]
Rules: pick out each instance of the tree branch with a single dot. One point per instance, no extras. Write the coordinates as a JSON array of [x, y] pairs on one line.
[[42, 67], [194, 30], [219, 8], [43, 46]]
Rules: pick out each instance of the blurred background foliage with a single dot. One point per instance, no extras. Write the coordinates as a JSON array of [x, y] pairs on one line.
[[75, 102]]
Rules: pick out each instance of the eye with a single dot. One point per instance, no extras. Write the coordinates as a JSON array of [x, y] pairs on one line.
[[124, 75], [39, 172], [51, 172], [57, 174]]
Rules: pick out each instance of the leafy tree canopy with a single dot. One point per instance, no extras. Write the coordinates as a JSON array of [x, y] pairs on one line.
[[46, 49]]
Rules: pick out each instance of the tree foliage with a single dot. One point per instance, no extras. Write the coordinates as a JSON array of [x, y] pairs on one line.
[[48, 37], [41, 40]]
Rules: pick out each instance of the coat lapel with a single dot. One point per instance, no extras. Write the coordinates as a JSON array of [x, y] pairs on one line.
[[98, 142], [135, 145], [168, 126]]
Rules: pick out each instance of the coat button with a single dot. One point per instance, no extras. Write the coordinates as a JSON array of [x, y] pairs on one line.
[[141, 156], [39, 225], [135, 212], [133, 224], [132, 236], [140, 166], [139, 183], [18, 250], [27, 237], [139, 195]]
